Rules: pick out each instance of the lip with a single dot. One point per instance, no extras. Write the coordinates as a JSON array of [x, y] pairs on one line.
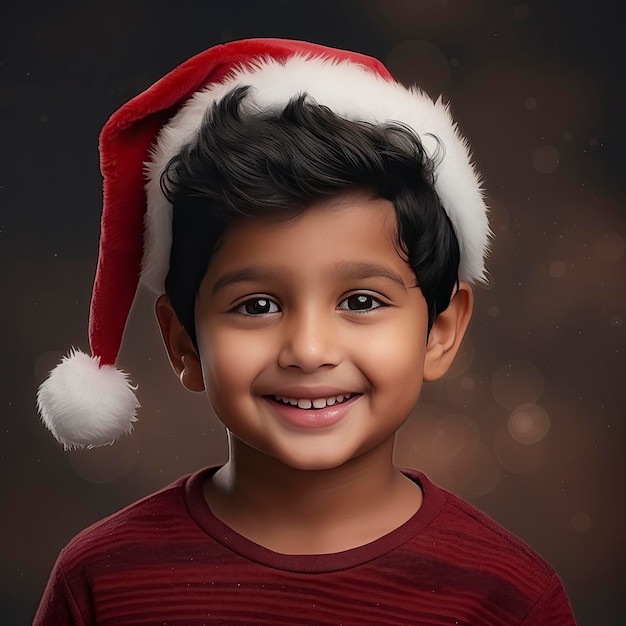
[[312, 418]]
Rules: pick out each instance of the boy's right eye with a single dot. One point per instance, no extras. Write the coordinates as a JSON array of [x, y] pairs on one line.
[[257, 306]]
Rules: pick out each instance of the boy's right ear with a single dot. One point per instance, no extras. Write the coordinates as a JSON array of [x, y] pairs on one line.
[[180, 348]]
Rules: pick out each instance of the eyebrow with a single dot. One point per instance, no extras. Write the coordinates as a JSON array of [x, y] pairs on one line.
[[368, 270], [247, 274], [350, 269]]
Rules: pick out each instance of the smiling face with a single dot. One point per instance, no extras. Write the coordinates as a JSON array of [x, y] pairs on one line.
[[312, 334]]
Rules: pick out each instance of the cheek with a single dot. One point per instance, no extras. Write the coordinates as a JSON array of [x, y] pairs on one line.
[[396, 356], [396, 374], [230, 363]]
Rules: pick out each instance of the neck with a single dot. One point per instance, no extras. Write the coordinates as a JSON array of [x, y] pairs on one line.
[[311, 511]]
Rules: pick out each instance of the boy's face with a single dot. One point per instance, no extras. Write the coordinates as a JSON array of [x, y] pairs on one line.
[[312, 335]]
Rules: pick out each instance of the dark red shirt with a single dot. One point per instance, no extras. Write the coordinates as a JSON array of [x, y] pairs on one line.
[[167, 560]]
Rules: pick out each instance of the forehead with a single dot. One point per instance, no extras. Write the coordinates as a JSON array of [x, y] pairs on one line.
[[341, 231]]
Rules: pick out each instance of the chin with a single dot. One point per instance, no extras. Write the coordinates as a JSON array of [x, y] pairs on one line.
[[313, 460], [312, 464], [304, 458]]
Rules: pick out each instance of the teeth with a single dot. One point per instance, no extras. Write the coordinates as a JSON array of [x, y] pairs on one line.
[[317, 403]]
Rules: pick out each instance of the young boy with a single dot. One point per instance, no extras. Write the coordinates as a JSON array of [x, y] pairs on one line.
[[312, 227]]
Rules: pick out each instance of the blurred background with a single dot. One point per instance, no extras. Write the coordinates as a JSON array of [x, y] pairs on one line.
[[529, 424]]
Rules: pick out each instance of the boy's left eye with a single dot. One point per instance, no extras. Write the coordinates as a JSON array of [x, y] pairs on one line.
[[360, 302]]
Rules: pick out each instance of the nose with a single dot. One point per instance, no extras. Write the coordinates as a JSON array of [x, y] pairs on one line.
[[309, 340]]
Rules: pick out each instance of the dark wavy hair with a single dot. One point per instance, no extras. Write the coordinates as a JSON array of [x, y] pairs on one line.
[[246, 164]]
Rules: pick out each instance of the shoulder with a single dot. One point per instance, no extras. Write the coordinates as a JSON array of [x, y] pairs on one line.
[[142, 542], [488, 562], [138, 524], [474, 545]]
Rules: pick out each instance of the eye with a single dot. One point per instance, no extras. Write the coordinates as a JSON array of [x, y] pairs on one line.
[[360, 302], [257, 306]]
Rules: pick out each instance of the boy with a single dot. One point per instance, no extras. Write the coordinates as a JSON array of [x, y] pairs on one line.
[[312, 228]]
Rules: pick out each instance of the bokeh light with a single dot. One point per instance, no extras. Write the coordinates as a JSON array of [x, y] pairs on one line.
[[545, 159], [448, 448], [465, 391], [477, 475], [516, 383], [443, 438], [530, 103], [517, 457], [493, 310], [454, 438], [615, 321], [529, 423], [557, 269]]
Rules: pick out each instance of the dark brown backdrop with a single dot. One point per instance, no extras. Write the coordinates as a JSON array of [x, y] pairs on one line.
[[529, 424]]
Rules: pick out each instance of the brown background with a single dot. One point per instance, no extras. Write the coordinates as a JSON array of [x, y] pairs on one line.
[[529, 424]]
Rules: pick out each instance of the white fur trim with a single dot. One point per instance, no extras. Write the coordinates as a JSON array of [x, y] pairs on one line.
[[353, 92], [85, 405]]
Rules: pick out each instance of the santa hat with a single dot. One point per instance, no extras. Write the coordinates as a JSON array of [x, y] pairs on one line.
[[86, 401]]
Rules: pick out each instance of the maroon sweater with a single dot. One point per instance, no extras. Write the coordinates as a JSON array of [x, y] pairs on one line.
[[167, 560]]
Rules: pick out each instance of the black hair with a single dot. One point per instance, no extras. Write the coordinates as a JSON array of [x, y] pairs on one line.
[[246, 163]]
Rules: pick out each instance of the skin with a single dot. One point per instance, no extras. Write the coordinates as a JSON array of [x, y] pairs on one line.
[[316, 306]]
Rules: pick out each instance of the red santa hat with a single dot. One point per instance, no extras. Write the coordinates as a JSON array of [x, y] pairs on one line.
[[86, 401]]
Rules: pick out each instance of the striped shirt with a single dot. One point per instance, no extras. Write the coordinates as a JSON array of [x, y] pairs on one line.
[[167, 560]]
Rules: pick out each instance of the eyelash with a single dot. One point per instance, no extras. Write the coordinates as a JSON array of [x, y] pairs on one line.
[[375, 303], [240, 308]]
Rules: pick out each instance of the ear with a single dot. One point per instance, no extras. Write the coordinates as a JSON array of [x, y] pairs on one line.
[[180, 348], [447, 333]]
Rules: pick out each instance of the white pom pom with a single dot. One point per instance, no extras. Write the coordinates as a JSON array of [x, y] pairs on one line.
[[85, 405]]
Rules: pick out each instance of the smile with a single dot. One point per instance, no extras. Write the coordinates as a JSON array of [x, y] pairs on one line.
[[313, 403]]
